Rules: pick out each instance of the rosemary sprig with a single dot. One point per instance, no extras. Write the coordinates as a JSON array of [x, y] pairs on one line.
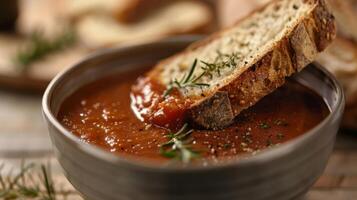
[[39, 46], [188, 80], [178, 146], [221, 62], [24, 186]]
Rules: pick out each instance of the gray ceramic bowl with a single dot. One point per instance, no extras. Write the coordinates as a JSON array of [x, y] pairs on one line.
[[281, 173]]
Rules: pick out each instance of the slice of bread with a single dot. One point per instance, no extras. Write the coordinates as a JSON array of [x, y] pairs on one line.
[[340, 58], [179, 17], [345, 12], [255, 55]]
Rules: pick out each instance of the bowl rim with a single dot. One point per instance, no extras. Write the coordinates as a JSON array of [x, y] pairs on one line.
[[101, 154]]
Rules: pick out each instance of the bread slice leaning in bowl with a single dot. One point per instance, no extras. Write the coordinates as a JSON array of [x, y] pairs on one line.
[[236, 67]]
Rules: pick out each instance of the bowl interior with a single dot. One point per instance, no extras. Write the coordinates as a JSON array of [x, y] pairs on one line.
[[120, 60]]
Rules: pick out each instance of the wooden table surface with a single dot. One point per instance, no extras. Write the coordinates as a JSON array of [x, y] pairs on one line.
[[23, 135]]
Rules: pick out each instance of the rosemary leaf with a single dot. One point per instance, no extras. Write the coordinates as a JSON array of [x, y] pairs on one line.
[[168, 154], [264, 125], [20, 175], [28, 191], [191, 71], [178, 146], [23, 186], [48, 184], [187, 81], [168, 90]]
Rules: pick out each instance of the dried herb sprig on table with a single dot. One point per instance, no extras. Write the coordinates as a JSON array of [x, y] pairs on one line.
[[32, 182], [178, 146], [188, 80], [39, 46]]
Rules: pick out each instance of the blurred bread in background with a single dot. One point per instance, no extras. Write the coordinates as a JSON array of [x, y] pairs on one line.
[[178, 17], [125, 11], [345, 12], [46, 16], [95, 24], [340, 58], [138, 9], [102, 23], [77, 8]]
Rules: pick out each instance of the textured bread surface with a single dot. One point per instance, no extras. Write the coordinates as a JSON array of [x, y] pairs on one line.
[[345, 12], [270, 44]]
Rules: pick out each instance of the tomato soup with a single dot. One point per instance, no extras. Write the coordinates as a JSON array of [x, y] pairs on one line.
[[100, 113]]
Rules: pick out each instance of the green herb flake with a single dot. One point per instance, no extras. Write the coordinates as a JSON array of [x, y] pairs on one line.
[[187, 81], [222, 61], [227, 146], [264, 125]]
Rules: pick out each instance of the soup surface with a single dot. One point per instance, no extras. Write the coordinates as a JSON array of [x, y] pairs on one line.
[[100, 114]]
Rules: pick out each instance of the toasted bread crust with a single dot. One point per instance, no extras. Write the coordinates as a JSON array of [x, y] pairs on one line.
[[290, 55]]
